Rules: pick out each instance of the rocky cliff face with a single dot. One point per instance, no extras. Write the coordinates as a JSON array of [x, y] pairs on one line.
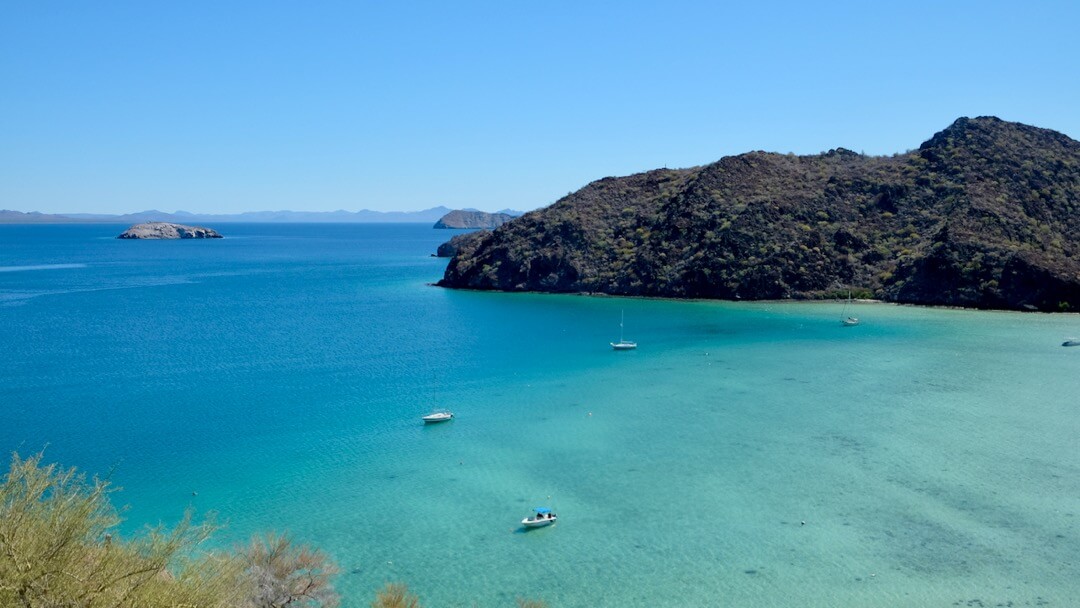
[[981, 215], [450, 248], [473, 219], [165, 230]]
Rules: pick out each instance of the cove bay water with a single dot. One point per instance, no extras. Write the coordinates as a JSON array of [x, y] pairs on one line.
[[747, 454]]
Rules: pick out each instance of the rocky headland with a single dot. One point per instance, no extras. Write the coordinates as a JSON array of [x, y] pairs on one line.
[[983, 214], [473, 219], [166, 230], [450, 248]]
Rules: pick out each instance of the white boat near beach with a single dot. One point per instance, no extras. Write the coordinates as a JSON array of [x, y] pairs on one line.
[[542, 517], [623, 344], [849, 320], [437, 416]]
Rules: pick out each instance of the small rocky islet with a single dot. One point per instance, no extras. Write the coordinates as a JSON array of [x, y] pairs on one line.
[[981, 215], [168, 230], [464, 219]]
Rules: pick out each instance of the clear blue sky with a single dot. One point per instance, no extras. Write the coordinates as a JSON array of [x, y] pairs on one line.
[[231, 106]]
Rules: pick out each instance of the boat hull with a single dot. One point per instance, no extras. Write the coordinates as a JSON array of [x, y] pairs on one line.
[[623, 345], [433, 418], [538, 523]]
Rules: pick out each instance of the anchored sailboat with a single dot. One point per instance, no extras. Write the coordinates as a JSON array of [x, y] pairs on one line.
[[848, 320], [623, 344]]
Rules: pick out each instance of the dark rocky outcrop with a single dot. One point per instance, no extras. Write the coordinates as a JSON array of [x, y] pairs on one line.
[[473, 219], [983, 215], [166, 230], [450, 248]]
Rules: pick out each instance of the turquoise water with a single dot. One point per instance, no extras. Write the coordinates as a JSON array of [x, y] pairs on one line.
[[280, 373]]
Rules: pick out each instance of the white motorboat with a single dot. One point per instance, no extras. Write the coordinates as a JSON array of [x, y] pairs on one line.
[[437, 416], [542, 517], [623, 344]]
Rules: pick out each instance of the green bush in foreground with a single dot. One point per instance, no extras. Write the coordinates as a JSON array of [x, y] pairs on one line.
[[56, 549], [395, 595]]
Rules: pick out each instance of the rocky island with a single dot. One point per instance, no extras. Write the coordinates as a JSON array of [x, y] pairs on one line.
[[983, 214], [473, 219], [166, 230]]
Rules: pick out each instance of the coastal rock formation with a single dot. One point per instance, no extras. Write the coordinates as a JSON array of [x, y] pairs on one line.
[[450, 248], [166, 230], [981, 215], [473, 219]]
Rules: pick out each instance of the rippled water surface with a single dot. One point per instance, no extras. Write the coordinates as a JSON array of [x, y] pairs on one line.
[[744, 455]]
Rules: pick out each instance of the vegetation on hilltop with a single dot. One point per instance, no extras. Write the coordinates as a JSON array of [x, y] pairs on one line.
[[980, 215]]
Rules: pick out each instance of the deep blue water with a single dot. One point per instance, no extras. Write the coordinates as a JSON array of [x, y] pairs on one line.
[[280, 373]]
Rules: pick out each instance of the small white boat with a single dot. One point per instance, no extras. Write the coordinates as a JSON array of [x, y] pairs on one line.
[[848, 321], [623, 344], [1071, 342], [437, 416], [542, 517]]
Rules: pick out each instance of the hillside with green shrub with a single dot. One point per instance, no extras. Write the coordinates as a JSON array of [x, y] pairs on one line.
[[983, 215]]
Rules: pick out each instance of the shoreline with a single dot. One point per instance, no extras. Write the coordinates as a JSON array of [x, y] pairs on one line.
[[599, 294]]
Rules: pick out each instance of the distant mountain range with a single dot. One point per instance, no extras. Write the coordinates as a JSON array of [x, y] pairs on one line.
[[363, 216]]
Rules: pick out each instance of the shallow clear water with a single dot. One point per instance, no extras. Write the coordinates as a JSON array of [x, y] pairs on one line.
[[280, 373]]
